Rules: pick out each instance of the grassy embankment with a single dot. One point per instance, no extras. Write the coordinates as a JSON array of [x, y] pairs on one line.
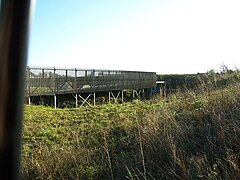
[[190, 135]]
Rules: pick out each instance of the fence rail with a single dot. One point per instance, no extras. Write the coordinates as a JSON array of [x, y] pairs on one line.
[[47, 81]]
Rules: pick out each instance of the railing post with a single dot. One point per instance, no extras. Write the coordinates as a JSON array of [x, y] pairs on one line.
[[54, 80], [93, 79], [75, 81]]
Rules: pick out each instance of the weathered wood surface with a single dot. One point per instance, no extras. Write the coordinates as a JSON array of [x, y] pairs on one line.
[[47, 81]]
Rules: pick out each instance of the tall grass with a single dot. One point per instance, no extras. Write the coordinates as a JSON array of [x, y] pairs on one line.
[[193, 134]]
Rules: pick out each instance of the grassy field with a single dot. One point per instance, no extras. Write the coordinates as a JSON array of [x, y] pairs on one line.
[[190, 135]]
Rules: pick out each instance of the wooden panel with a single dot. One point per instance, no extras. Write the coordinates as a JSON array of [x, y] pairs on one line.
[[45, 81]]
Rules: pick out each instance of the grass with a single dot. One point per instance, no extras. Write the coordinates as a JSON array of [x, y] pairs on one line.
[[190, 135]]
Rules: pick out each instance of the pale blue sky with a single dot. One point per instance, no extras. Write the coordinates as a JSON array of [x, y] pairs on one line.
[[166, 36]]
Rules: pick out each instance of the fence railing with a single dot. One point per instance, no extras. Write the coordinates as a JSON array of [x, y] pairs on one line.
[[47, 81]]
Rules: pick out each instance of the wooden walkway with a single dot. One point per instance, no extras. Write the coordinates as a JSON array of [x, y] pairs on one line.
[[50, 81], [83, 84]]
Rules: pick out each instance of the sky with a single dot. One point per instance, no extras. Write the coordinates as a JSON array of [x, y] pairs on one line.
[[163, 36]]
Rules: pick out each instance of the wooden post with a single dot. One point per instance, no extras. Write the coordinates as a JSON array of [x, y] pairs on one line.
[[94, 99], [55, 101], [109, 97], [122, 96], [76, 97], [29, 100]]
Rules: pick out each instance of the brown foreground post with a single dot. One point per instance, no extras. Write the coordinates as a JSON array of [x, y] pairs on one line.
[[14, 27]]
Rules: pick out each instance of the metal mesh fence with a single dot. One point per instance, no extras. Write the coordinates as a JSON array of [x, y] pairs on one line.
[[47, 81]]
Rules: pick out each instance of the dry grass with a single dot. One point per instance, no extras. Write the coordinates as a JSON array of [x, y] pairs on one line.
[[190, 135]]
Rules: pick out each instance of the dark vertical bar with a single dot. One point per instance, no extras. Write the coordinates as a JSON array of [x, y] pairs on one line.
[[14, 22]]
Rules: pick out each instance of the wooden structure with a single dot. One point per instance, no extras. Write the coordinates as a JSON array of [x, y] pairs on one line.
[[59, 81]]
